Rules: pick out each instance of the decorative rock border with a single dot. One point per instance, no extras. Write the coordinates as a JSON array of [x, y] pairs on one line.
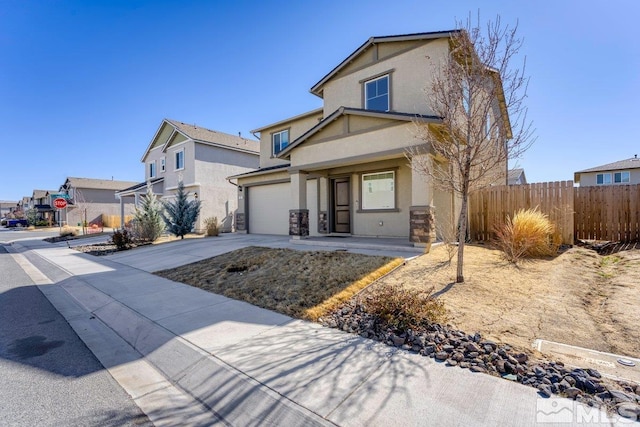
[[456, 348]]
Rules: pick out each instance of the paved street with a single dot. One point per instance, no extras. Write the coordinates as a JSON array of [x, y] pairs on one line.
[[48, 377]]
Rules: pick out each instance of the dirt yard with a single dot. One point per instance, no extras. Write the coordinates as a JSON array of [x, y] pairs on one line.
[[578, 298], [290, 282]]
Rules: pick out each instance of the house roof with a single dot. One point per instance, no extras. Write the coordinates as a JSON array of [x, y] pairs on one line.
[[342, 111], [39, 194], [201, 134], [204, 136], [96, 184], [139, 185], [290, 119], [260, 171], [632, 163], [514, 174], [317, 88]]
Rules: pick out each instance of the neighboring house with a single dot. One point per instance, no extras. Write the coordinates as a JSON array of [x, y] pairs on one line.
[[7, 207], [202, 159], [342, 169], [41, 202], [516, 177], [621, 172], [23, 206], [88, 199]]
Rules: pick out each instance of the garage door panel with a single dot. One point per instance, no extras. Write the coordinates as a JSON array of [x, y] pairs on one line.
[[269, 209]]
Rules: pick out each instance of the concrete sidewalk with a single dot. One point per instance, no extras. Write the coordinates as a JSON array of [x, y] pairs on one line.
[[190, 357]]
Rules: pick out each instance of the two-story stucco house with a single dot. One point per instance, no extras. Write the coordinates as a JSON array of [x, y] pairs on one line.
[[202, 159], [617, 173], [88, 199], [343, 169]]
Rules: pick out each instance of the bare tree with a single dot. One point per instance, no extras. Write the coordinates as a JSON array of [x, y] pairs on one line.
[[479, 97]]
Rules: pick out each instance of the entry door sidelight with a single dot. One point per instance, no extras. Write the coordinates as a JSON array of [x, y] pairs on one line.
[[342, 205]]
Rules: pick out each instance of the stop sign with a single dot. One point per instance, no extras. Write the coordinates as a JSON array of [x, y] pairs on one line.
[[60, 203]]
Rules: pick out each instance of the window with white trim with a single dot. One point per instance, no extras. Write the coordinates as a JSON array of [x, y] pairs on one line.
[[152, 169], [376, 94], [163, 164], [378, 190], [179, 157], [280, 141], [622, 177], [603, 178]]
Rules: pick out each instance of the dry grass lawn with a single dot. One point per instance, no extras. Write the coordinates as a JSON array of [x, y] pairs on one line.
[[578, 297], [296, 283]]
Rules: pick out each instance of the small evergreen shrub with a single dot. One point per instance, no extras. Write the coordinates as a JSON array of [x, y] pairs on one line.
[[122, 239], [147, 224], [528, 234], [212, 227], [181, 213], [401, 308]]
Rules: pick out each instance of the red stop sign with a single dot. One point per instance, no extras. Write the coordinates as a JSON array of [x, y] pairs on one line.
[[60, 203]]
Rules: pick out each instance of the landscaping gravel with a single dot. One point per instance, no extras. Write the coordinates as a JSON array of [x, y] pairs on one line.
[[457, 348]]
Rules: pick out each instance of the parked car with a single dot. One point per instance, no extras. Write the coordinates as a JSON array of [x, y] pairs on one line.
[[13, 222], [3, 222]]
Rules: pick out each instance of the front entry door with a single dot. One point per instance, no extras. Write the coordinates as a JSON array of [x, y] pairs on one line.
[[341, 205]]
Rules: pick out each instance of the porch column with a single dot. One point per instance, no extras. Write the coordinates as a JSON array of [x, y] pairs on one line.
[[299, 214], [121, 211], [422, 227]]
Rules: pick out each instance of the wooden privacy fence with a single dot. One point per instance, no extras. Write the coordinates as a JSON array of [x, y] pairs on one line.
[[113, 221], [491, 206], [610, 212]]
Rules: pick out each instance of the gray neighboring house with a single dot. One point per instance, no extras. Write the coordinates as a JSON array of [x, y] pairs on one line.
[[41, 202], [203, 159], [516, 177], [617, 173], [90, 198]]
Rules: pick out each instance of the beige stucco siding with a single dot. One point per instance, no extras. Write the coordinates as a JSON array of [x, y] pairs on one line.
[[388, 224], [411, 74], [588, 179], [384, 140], [296, 129]]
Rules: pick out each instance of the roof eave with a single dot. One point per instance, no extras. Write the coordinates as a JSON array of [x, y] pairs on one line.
[[317, 88], [352, 111], [281, 122]]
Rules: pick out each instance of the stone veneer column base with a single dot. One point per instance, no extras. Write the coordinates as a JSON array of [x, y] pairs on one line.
[[422, 226], [240, 222], [299, 222]]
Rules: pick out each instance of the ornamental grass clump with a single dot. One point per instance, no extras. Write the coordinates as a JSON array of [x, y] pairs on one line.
[[528, 234]]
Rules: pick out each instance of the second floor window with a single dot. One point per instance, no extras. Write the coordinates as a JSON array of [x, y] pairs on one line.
[[280, 141], [152, 169], [179, 159], [163, 164], [376, 94]]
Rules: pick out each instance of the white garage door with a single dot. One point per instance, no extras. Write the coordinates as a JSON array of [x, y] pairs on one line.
[[269, 208]]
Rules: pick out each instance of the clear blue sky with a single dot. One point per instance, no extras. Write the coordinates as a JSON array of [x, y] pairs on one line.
[[84, 85]]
